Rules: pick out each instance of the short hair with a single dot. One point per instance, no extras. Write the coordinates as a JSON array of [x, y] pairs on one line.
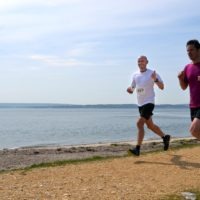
[[195, 43], [143, 57]]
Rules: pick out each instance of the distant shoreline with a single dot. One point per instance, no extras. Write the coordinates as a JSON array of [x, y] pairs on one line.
[[55, 105], [85, 145], [131, 142]]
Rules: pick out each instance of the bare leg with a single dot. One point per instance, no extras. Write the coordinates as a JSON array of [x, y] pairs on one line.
[[158, 131], [140, 126], [195, 128], [153, 127]]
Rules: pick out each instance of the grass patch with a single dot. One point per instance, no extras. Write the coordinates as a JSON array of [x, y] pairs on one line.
[[184, 144], [177, 145], [59, 163], [181, 197], [173, 197], [67, 162], [114, 145]]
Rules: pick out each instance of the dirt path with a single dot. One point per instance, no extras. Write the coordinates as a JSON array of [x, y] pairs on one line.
[[150, 176]]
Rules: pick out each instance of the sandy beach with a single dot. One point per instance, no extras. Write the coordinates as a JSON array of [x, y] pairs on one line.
[[150, 176]]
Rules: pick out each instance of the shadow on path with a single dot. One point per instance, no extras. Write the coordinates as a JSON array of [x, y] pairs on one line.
[[175, 160]]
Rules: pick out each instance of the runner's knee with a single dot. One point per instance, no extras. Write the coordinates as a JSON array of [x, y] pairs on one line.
[[140, 124], [195, 128], [194, 132]]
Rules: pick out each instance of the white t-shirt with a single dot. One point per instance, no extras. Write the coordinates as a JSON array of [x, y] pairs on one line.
[[144, 86]]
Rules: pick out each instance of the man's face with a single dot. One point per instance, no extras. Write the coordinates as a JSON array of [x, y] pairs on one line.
[[142, 63], [192, 52]]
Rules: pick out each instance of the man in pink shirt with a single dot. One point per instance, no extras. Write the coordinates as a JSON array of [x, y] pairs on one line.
[[190, 76]]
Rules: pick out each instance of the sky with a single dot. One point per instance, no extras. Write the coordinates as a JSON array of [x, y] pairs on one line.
[[84, 52]]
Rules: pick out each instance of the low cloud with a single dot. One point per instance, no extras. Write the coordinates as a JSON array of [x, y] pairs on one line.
[[57, 61]]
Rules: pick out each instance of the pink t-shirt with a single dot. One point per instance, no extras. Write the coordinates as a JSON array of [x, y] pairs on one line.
[[192, 77]]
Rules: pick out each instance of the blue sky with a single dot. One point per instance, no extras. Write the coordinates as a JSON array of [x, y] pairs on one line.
[[84, 52]]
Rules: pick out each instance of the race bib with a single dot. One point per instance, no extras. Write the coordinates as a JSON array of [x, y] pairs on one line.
[[140, 91]]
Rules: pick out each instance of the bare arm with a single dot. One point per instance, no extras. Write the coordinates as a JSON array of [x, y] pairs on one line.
[[156, 81], [159, 84], [182, 83]]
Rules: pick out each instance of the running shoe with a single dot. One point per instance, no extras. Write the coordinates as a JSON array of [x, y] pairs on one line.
[[135, 151], [166, 141]]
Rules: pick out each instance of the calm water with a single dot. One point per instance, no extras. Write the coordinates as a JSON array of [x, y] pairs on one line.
[[29, 127]]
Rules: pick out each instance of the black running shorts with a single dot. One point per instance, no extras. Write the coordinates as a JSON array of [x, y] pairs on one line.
[[195, 113], [146, 110]]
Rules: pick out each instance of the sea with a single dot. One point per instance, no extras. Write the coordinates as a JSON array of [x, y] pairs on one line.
[[28, 125]]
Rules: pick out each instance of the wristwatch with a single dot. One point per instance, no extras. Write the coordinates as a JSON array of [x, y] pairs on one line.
[[156, 80]]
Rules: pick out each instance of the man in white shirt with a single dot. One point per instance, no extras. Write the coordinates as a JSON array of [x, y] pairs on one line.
[[143, 82]]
